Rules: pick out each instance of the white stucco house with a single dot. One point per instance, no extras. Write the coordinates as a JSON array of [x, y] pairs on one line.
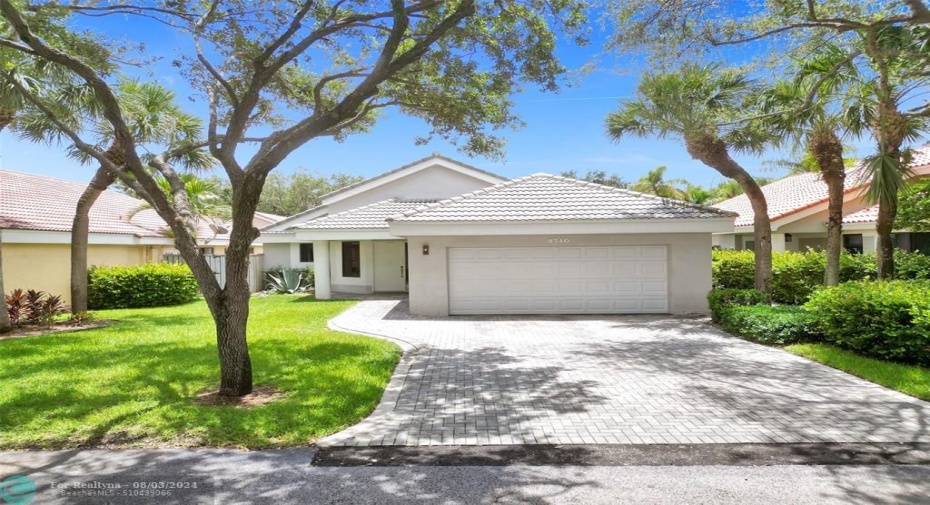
[[460, 240], [798, 210]]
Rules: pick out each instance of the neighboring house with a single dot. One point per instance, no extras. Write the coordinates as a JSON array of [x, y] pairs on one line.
[[798, 210], [265, 219], [463, 241], [36, 214]]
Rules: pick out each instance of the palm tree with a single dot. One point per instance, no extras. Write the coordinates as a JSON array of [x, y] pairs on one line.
[[154, 118], [654, 183], [697, 195], [35, 77], [877, 105], [701, 105], [804, 112]]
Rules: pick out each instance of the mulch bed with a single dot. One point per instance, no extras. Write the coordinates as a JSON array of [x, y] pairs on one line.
[[39, 330], [260, 395]]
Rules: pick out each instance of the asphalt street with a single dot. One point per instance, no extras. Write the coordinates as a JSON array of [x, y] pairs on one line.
[[288, 476]]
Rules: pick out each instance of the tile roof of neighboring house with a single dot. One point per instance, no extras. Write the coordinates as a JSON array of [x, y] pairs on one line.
[[267, 216], [368, 217], [35, 202], [867, 215], [544, 197], [798, 192]]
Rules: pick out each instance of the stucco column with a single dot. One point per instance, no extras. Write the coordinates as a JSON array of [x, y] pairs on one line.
[[778, 242], [322, 283]]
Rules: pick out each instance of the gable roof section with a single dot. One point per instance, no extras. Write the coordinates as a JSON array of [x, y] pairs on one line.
[[550, 198], [795, 193], [368, 217], [408, 169]]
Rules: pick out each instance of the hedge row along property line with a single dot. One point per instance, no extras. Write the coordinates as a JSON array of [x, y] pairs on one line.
[[150, 285], [795, 276], [888, 320]]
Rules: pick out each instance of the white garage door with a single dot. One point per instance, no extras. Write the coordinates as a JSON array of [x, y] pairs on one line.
[[558, 280]]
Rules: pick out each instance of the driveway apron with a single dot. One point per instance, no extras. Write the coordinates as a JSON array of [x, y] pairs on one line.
[[502, 380]]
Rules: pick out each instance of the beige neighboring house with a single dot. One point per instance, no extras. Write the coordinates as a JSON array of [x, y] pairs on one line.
[[798, 210], [461, 240], [36, 213]]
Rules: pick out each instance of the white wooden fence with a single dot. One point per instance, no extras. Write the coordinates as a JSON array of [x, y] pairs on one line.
[[217, 263]]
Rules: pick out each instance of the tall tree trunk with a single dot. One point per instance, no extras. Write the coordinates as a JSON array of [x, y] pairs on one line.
[[80, 229], [884, 225], [232, 307], [6, 117], [713, 152], [825, 146]]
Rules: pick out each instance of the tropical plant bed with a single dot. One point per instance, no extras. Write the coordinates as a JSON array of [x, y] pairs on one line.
[[36, 330], [908, 379], [136, 383]]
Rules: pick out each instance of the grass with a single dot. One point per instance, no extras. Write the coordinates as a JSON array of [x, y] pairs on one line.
[[132, 384], [910, 380]]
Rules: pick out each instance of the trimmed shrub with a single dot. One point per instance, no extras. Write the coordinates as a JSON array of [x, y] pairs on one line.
[[795, 275], [886, 320], [773, 325], [150, 285], [721, 299]]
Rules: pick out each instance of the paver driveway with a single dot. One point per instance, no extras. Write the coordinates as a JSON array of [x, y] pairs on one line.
[[610, 380]]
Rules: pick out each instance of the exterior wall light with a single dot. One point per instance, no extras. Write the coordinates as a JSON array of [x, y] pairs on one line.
[[425, 249]]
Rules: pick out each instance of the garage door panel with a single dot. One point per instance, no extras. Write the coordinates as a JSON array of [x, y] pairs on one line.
[[558, 280]]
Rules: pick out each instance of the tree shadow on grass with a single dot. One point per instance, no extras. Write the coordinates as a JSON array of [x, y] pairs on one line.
[[329, 382]]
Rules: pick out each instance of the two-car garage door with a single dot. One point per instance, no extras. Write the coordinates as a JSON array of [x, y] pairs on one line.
[[558, 280]]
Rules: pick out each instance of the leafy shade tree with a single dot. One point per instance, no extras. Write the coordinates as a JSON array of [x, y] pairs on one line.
[[334, 65], [152, 117], [654, 183], [598, 177], [914, 206], [299, 191], [700, 105]]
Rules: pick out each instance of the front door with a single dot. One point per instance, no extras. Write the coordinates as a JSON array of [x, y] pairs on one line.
[[390, 265]]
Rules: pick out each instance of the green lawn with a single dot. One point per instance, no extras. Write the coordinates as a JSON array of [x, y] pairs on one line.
[[131, 384], [911, 380]]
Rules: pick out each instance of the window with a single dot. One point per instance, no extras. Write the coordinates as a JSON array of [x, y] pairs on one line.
[[749, 245], [853, 243], [351, 260], [306, 253], [206, 251]]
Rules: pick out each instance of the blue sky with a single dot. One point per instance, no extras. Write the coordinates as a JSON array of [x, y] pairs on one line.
[[563, 131]]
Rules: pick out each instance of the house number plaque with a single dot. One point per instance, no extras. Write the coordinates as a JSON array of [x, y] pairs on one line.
[[560, 240]]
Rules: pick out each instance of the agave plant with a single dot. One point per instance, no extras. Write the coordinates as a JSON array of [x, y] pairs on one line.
[[288, 281]]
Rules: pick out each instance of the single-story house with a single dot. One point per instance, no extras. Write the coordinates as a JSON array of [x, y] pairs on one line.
[[798, 210], [36, 213], [460, 240]]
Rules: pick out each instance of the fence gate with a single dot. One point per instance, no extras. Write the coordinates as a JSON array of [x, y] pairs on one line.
[[217, 263]]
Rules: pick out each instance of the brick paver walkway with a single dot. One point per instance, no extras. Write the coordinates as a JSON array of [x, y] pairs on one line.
[[610, 380]]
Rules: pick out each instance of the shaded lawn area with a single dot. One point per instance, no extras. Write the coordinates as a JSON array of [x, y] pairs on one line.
[[132, 384], [908, 379]]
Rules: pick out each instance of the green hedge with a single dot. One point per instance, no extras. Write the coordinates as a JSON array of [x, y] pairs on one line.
[[795, 276], [720, 300], [887, 320], [773, 325], [151, 285]]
